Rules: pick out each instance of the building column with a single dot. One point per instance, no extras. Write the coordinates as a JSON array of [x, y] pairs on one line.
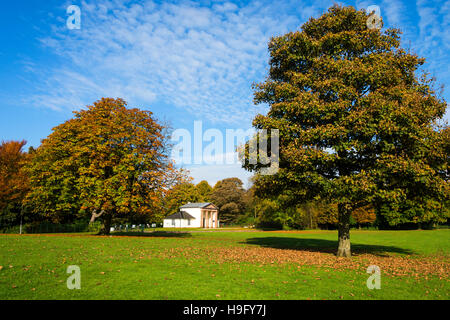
[[209, 220], [217, 219], [212, 219], [201, 218]]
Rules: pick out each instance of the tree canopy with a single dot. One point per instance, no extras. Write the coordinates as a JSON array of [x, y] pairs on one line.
[[179, 195], [203, 191], [227, 194], [13, 181], [358, 122], [108, 160]]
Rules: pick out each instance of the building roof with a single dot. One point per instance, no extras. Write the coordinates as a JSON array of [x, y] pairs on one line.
[[196, 205], [180, 215]]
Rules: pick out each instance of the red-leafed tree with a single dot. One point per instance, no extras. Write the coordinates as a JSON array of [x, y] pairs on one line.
[[13, 181]]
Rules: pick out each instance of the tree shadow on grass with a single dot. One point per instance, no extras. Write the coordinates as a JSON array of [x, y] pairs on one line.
[[326, 246], [166, 234]]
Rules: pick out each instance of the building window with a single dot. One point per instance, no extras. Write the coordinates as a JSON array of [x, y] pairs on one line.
[[189, 222], [173, 222]]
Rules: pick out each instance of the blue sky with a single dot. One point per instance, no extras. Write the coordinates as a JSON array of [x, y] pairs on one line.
[[183, 60]]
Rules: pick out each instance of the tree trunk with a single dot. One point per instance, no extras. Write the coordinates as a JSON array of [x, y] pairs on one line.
[[344, 231], [106, 225], [95, 215]]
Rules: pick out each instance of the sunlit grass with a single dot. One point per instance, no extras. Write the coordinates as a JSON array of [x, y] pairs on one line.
[[192, 265]]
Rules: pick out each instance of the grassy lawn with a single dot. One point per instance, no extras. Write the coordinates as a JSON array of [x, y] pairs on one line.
[[237, 264]]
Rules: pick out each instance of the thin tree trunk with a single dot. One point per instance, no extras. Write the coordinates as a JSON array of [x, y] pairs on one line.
[[106, 225], [95, 215], [344, 231]]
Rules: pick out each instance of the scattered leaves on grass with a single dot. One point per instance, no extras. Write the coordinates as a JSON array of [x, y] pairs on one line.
[[416, 266]]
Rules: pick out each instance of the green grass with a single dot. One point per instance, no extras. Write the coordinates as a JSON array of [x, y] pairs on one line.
[[181, 265]]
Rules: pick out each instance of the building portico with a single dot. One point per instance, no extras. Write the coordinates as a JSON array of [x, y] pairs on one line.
[[201, 215]]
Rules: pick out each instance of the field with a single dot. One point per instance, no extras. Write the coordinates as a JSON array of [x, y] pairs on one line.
[[234, 264]]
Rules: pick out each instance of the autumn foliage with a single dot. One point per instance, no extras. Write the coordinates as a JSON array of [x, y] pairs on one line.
[[364, 215], [358, 123], [13, 181], [228, 196], [108, 160]]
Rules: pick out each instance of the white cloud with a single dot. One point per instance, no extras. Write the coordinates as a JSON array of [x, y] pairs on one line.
[[433, 40], [201, 59], [197, 58], [394, 11]]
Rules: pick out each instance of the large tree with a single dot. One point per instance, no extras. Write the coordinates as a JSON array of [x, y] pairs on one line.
[[358, 123], [203, 191], [108, 161], [227, 194], [180, 194]]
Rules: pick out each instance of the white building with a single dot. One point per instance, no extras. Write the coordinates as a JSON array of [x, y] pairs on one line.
[[194, 215]]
